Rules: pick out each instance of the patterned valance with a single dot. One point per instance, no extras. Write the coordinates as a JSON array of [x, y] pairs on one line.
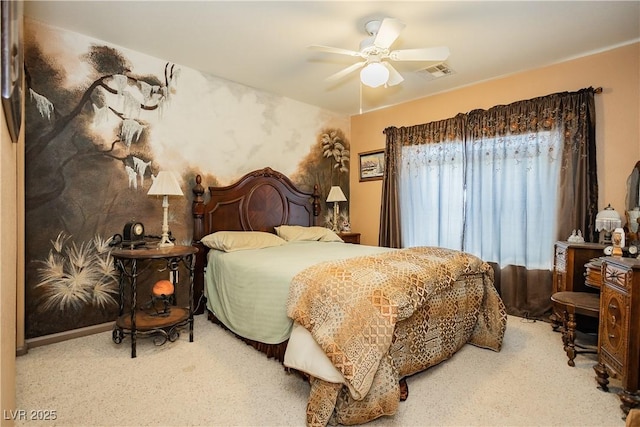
[[430, 133], [567, 110]]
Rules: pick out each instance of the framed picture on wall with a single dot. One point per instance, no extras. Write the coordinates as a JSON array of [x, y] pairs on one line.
[[371, 165], [12, 65]]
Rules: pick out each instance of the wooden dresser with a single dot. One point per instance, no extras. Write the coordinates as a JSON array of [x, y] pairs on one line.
[[619, 333], [569, 269]]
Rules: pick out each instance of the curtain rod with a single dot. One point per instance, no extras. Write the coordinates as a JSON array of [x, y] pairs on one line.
[[598, 90]]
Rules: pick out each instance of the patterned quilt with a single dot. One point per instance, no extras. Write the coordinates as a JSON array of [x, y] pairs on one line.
[[383, 317]]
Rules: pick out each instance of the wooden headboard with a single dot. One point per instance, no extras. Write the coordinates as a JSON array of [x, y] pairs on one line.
[[259, 201]]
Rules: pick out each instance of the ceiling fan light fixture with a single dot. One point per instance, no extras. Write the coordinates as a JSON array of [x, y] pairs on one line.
[[374, 74], [376, 67]]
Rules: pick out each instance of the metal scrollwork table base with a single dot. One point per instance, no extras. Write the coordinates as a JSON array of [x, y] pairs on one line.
[[135, 321]]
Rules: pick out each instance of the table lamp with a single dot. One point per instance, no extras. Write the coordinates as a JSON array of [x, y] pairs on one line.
[[608, 220], [162, 291], [165, 185], [336, 195]]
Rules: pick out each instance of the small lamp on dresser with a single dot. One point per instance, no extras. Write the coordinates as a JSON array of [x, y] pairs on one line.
[[165, 185], [608, 220]]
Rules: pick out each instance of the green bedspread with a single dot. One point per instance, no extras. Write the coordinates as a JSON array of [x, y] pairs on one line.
[[248, 290]]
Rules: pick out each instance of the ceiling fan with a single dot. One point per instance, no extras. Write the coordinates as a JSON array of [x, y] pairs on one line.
[[376, 69]]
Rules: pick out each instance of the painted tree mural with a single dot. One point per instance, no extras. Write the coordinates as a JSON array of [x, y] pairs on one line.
[[101, 122], [334, 147], [87, 155], [327, 165]]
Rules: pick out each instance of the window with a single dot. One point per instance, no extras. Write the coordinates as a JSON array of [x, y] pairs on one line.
[[494, 197], [502, 184]]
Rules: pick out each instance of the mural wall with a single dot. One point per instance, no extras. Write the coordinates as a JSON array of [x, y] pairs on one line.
[[101, 122]]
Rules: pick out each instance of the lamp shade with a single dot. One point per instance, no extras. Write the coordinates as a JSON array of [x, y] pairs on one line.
[[374, 74], [165, 184], [162, 287], [336, 195], [608, 219]]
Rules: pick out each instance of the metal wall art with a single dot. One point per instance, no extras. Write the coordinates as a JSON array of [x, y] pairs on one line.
[[12, 65]]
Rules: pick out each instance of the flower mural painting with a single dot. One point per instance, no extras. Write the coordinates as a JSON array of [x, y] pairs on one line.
[[74, 276]]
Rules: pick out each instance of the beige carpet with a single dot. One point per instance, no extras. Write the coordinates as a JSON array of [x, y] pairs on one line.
[[219, 381]]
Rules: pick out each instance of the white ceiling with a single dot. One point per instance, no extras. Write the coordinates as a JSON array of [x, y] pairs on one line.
[[264, 44]]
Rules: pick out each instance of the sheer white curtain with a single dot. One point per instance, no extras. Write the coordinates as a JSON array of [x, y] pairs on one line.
[[431, 193], [494, 197], [511, 198]]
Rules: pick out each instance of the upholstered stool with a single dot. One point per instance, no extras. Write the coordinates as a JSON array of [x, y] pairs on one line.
[[568, 305]]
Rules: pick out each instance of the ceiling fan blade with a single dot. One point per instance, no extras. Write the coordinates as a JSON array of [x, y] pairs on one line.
[[339, 51], [388, 33], [342, 73], [424, 54], [394, 76]]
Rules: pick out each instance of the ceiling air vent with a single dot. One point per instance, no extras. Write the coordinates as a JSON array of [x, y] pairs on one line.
[[437, 71]]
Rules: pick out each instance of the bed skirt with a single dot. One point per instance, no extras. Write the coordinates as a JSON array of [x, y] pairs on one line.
[[275, 351]]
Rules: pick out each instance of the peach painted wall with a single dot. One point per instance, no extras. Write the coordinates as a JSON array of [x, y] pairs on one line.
[[617, 71], [10, 309]]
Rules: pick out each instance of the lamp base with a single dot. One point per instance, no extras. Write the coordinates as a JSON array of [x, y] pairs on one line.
[[165, 242]]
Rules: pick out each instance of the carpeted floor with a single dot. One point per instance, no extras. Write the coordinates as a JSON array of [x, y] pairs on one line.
[[219, 381]]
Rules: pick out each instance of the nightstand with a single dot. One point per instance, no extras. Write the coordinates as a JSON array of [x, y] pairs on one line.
[[136, 321], [350, 237]]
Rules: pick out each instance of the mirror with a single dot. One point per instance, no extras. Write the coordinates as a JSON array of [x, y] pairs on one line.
[[632, 204]]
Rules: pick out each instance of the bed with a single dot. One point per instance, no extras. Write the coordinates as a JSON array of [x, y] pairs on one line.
[[356, 320]]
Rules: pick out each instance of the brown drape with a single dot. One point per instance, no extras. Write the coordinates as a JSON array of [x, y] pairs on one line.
[[389, 235], [525, 292], [578, 196], [429, 133]]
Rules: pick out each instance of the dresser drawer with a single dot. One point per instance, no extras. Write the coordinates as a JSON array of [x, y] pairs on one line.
[[618, 277], [614, 327], [593, 275]]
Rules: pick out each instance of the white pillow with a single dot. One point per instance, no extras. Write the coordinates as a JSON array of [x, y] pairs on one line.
[[230, 241], [292, 233]]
